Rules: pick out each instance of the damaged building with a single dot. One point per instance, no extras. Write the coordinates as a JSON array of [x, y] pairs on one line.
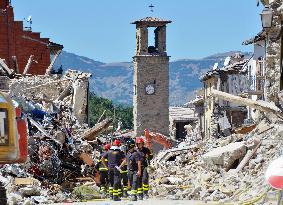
[[23, 50], [221, 116], [182, 121], [55, 108], [256, 72]]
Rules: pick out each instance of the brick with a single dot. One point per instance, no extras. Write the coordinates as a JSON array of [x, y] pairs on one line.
[[14, 44]]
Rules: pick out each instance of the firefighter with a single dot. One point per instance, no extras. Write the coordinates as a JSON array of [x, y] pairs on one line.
[[146, 157], [124, 173], [134, 161], [115, 157], [103, 172]]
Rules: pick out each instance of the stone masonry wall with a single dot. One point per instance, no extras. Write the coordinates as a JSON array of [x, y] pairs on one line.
[[151, 111], [142, 40], [80, 99], [273, 55]]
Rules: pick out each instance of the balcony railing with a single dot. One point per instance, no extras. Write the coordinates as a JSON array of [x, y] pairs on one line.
[[255, 85]]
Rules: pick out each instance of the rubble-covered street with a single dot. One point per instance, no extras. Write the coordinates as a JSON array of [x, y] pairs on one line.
[[153, 202]]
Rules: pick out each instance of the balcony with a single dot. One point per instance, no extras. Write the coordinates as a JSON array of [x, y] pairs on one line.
[[255, 85]]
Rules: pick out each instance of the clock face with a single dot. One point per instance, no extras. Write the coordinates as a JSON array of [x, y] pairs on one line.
[[149, 89]]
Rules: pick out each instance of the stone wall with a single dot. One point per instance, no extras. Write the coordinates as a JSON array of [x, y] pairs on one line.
[[151, 111], [80, 99], [142, 40], [273, 55], [160, 39], [210, 125]]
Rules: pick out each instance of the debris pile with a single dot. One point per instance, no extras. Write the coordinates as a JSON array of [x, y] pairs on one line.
[[225, 169], [62, 148]]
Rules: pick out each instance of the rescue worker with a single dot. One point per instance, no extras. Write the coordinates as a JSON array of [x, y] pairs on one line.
[[146, 157], [115, 157], [124, 173], [103, 172], [134, 161]]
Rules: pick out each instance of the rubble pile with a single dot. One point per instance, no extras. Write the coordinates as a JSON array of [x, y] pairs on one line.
[[225, 169], [59, 156], [193, 135]]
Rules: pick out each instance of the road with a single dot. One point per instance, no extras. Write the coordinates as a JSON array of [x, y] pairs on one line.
[[144, 202]]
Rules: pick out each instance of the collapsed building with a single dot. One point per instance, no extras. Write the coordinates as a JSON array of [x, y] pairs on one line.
[[181, 120], [62, 148], [221, 116]]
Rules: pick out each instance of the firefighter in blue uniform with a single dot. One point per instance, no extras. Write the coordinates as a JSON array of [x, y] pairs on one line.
[[103, 172], [146, 157], [134, 161], [115, 157], [124, 173]]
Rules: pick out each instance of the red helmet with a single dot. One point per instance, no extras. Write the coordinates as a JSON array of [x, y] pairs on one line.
[[139, 140], [107, 147], [117, 143]]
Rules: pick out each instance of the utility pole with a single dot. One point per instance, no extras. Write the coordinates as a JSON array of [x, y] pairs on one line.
[[114, 118]]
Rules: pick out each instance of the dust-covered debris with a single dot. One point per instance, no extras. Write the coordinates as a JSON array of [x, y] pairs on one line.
[[55, 108], [225, 169]]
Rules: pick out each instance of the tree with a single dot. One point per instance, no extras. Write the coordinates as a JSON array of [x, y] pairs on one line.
[[97, 105]]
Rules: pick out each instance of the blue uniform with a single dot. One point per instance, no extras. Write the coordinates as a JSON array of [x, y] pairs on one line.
[[115, 157]]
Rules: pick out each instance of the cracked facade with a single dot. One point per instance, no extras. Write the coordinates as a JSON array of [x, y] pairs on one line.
[[220, 115]]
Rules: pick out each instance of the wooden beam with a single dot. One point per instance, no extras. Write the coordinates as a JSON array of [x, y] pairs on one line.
[[257, 104], [6, 68], [15, 62], [49, 69], [28, 65], [93, 132], [247, 158]]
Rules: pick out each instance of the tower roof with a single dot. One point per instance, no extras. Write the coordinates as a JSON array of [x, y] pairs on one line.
[[151, 22]]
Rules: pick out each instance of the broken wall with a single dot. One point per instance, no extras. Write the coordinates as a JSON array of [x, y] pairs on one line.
[[273, 62], [237, 84], [52, 88], [80, 100], [31, 87], [209, 103], [237, 116]]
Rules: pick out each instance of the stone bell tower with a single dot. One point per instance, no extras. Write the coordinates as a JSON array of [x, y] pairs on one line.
[[151, 78]]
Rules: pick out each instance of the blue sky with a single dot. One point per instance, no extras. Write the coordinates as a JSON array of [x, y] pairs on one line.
[[101, 29]]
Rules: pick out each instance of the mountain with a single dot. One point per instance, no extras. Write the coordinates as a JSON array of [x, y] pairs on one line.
[[115, 80]]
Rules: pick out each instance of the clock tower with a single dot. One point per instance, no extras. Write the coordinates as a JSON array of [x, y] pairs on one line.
[[151, 78]]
